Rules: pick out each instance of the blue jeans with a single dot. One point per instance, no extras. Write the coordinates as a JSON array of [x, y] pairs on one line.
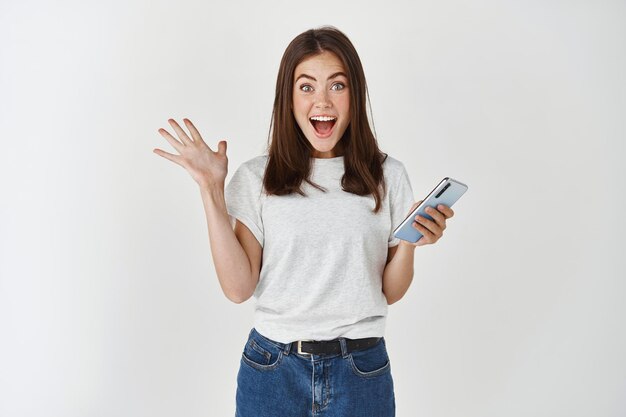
[[274, 380]]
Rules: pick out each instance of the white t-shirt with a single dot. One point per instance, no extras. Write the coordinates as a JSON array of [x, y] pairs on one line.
[[323, 254]]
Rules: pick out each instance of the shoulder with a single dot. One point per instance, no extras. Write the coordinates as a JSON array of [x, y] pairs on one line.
[[248, 176], [254, 167], [393, 168]]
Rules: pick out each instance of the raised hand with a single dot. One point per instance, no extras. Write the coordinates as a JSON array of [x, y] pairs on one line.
[[206, 167]]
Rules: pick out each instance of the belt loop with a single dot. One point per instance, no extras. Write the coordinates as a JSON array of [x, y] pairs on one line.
[[344, 347], [287, 348]]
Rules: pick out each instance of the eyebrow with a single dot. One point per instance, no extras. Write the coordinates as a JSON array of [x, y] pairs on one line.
[[337, 74]]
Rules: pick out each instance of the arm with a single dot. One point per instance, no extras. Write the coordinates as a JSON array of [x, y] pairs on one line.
[[236, 253], [398, 272]]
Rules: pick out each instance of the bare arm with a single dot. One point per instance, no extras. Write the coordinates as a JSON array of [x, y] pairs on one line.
[[236, 253], [398, 273]]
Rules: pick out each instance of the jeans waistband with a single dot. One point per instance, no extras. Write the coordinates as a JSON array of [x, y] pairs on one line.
[[340, 345]]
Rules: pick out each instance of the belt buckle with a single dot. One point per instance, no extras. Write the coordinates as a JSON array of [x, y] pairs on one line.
[[300, 347]]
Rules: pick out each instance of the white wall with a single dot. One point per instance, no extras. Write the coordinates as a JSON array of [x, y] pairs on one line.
[[109, 303]]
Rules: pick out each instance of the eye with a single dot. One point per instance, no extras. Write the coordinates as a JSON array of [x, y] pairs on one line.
[[340, 85], [306, 88]]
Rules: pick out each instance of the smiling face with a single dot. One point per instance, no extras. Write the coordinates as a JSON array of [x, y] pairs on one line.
[[321, 103]]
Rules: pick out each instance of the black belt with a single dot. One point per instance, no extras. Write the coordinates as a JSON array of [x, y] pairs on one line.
[[332, 346]]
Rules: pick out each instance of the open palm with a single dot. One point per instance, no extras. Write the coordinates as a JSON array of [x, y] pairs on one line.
[[206, 167]]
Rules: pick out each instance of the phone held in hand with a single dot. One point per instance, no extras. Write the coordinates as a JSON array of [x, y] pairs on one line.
[[447, 192]]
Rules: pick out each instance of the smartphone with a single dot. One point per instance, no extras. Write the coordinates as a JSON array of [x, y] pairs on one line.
[[447, 192]]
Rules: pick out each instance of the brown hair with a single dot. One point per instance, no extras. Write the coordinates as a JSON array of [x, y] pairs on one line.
[[289, 161]]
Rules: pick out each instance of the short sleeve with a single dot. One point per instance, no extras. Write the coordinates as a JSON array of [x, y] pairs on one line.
[[401, 200], [244, 200]]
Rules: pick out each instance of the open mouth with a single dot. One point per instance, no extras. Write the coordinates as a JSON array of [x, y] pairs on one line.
[[323, 125]]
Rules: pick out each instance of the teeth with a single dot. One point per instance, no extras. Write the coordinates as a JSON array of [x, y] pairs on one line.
[[323, 118]]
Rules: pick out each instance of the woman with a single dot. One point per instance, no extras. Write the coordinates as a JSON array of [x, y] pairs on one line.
[[312, 239]]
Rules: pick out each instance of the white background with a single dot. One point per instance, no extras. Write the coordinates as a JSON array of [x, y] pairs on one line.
[[109, 302]]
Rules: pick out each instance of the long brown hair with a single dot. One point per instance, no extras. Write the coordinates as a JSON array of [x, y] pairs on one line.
[[289, 161]]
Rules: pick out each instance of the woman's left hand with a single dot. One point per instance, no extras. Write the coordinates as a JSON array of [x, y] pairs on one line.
[[432, 230]]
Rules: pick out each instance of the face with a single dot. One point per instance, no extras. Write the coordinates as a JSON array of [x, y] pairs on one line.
[[321, 103]]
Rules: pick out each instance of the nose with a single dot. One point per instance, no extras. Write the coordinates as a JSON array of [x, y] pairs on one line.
[[321, 100]]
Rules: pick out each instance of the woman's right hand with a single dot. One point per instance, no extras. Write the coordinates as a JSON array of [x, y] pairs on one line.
[[206, 167]]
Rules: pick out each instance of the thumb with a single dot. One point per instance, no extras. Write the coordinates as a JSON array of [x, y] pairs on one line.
[[221, 147]]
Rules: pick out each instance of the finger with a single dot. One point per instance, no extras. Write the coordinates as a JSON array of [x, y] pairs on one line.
[[194, 132], [172, 140], [447, 211], [221, 147], [427, 235], [180, 132], [171, 157], [432, 227], [439, 217]]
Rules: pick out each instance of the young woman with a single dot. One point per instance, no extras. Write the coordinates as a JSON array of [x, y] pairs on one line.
[[312, 239]]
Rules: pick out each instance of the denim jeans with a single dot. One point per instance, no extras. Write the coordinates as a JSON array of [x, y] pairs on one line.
[[274, 380]]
